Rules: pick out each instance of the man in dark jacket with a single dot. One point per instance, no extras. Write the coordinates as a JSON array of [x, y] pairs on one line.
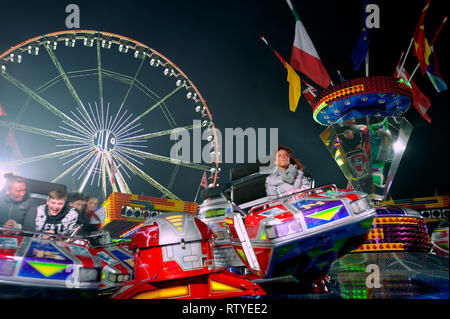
[[15, 202]]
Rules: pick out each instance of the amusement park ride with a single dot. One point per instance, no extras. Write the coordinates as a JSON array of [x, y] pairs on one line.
[[238, 242]]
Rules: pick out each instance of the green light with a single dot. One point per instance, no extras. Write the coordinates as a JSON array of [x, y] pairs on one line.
[[406, 82]]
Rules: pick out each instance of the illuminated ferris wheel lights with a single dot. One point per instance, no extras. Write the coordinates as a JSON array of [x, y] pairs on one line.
[[33, 49], [15, 58], [52, 44], [123, 48], [155, 62], [69, 42], [199, 108], [180, 82], [191, 95], [214, 169], [139, 54], [88, 42], [106, 44]]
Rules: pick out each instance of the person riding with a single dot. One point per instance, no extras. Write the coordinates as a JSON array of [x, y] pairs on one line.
[[54, 217], [15, 202], [288, 175]]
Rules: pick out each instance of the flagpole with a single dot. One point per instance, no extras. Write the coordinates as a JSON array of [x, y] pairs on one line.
[[195, 199], [406, 55], [367, 64], [438, 31], [414, 72], [399, 61]]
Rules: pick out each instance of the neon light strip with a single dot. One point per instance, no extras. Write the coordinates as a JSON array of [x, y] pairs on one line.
[[131, 230]]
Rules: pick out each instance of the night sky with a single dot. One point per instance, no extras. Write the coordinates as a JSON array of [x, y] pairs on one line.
[[217, 45]]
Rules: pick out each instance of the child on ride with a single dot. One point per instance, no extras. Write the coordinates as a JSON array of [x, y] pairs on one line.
[[54, 217]]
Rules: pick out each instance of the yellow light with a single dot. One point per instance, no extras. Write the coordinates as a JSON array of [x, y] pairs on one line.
[[176, 221], [221, 287], [179, 291]]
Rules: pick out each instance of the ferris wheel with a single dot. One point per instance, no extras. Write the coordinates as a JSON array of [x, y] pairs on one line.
[[97, 110]]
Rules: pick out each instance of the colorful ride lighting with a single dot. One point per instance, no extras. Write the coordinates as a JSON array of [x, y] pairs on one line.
[[380, 247], [395, 220], [376, 234], [376, 95]]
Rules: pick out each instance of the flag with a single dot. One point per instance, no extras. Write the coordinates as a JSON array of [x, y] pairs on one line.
[[11, 142], [304, 57], [113, 172], [421, 48], [2, 111], [204, 182], [295, 88], [420, 101], [361, 48], [341, 78], [434, 74], [309, 93]]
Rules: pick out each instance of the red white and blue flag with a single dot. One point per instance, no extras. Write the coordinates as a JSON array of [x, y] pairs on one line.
[[309, 93], [420, 101], [204, 182]]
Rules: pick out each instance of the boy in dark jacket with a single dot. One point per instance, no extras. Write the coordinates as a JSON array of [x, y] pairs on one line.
[[54, 217]]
